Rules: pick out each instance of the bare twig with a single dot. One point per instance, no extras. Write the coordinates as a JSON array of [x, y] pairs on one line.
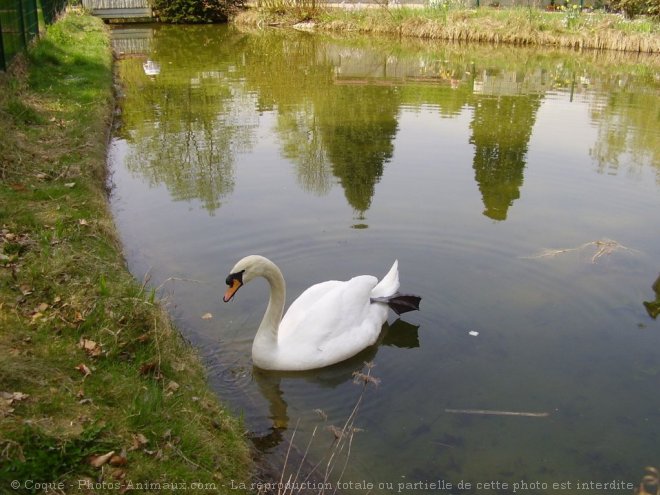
[[194, 464], [179, 279]]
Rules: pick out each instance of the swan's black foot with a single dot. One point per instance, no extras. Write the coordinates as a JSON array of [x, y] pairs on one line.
[[400, 303]]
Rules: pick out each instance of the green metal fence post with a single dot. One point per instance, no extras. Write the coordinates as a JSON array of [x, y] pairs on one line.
[[47, 8], [21, 22], [32, 19], [3, 63]]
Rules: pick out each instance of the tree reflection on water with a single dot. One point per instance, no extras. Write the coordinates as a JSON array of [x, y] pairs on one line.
[[336, 105]]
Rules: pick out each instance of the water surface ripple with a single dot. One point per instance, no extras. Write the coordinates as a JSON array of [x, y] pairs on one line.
[[518, 189]]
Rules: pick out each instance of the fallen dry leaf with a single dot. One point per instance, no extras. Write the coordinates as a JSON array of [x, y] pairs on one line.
[[99, 460], [84, 369], [82, 221], [118, 474], [42, 307], [11, 397], [207, 316], [139, 441], [150, 368], [36, 316], [90, 347], [157, 454], [5, 411], [172, 387], [118, 460], [87, 344], [19, 396]]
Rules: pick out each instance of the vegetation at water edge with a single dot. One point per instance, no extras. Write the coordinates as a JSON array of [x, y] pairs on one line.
[[569, 27]]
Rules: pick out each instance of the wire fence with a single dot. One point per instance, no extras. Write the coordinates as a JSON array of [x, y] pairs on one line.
[[21, 21]]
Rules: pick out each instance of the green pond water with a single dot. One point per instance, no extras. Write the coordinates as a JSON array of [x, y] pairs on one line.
[[519, 189]]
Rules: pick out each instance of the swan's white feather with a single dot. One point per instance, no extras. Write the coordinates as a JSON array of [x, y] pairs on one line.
[[330, 322]]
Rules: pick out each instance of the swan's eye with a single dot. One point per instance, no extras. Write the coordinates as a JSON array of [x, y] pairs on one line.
[[235, 276]]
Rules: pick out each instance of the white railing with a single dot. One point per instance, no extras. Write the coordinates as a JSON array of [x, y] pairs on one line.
[[118, 9], [115, 4]]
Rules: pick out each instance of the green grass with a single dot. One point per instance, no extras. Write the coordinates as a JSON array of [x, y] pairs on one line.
[[90, 362], [517, 26]]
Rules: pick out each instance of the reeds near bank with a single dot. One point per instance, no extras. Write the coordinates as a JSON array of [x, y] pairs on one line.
[[517, 26]]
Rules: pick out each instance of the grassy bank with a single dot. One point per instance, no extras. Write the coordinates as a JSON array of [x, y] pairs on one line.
[[518, 26], [98, 393]]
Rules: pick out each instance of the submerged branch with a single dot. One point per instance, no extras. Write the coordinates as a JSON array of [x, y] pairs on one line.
[[490, 412]]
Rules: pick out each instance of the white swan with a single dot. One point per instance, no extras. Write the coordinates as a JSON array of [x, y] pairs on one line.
[[329, 322]]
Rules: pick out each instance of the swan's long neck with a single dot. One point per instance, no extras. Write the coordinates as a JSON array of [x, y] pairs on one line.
[[267, 332]]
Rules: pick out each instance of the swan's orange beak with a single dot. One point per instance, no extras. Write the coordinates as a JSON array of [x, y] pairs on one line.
[[232, 289]]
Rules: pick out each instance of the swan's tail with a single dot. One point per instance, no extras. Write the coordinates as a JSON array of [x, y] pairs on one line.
[[387, 291], [389, 284]]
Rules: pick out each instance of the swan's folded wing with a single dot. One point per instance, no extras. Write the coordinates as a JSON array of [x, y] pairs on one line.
[[327, 310], [301, 307]]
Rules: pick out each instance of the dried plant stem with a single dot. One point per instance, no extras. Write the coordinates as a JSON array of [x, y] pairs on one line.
[[348, 427], [302, 461], [341, 445], [348, 455], [286, 460]]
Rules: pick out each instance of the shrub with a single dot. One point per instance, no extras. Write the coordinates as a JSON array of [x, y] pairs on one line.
[[195, 11], [633, 8]]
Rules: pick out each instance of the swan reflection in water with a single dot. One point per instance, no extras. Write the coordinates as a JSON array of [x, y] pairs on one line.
[[399, 334]]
